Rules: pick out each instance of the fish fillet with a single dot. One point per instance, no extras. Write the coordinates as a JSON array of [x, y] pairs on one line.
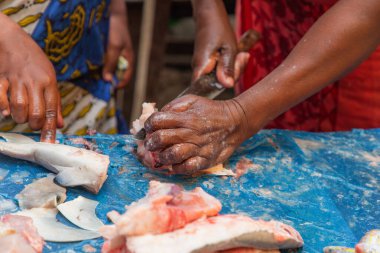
[[73, 166], [148, 158], [54, 231], [18, 234], [41, 193], [219, 233]]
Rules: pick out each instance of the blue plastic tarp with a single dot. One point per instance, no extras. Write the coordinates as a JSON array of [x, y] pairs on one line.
[[326, 185]]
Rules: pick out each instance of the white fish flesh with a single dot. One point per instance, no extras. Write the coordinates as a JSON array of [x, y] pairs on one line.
[[73, 166], [219, 233], [50, 229], [41, 193], [370, 243], [81, 212], [18, 234]]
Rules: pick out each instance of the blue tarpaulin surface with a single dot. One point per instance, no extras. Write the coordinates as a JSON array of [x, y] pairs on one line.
[[326, 185]]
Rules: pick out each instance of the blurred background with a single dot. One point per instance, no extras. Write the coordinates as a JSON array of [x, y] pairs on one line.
[[162, 63]]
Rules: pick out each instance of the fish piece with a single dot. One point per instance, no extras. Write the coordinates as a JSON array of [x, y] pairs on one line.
[[165, 208], [219, 233], [52, 230], [41, 193], [15, 243], [74, 166], [338, 249], [370, 243], [81, 212], [25, 234]]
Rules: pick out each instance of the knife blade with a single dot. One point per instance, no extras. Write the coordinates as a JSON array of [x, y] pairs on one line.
[[207, 85]]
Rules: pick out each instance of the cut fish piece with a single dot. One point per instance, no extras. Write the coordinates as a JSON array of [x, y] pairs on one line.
[[41, 193], [74, 166], [147, 110], [81, 212], [165, 208], [219, 233], [370, 243], [52, 230], [18, 233]]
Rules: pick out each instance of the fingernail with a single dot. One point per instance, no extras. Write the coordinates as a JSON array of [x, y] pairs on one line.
[[5, 113]]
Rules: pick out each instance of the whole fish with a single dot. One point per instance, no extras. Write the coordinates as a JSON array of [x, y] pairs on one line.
[[73, 166], [219, 233]]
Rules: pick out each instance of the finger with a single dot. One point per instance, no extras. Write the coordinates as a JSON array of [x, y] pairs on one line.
[[177, 153], [161, 139], [60, 122], [4, 103], [240, 64], [180, 104], [19, 102], [36, 107], [203, 65], [191, 165], [165, 120], [51, 105], [225, 68], [111, 60]]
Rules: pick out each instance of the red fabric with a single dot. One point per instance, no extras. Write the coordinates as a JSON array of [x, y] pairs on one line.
[[353, 102]]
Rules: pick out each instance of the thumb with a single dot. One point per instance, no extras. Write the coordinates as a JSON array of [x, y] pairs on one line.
[[111, 60]]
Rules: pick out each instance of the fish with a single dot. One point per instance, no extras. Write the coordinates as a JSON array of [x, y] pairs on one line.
[[18, 234], [217, 233], [370, 242], [41, 193], [81, 212], [165, 208], [73, 166], [148, 158], [52, 230]]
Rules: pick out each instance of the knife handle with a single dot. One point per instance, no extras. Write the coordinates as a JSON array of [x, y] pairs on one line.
[[207, 85]]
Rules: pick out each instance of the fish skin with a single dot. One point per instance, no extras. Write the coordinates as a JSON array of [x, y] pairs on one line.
[[41, 193], [74, 166], [370, 242], [219, 233]]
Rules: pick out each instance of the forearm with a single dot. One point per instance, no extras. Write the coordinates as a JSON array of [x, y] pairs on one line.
[[207, 12], [336, 43]]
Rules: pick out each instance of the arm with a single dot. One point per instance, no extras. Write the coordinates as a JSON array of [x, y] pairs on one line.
[[28, 77], [342, 38], [337, 42]]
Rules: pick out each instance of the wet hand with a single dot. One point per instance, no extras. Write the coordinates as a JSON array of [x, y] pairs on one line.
[[119, 44], [28, 86], [194, 133]]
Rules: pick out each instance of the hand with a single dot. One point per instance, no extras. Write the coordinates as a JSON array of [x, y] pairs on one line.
[[193, 133], [28, 77], [215, 44], [119, 44]]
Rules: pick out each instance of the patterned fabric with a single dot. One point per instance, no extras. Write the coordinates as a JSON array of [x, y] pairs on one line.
[[73, 34], [282, 24]]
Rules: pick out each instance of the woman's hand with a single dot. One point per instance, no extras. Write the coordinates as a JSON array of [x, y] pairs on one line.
[[28, 86], [194, 133], [215, 42], [119, 44]]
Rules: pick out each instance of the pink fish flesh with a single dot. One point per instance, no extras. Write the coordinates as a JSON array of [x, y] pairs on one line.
[[370, 243], [165, 208], [18, 234], [219, 233]]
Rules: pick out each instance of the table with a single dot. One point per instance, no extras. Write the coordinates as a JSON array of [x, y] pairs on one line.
[[326, 185]]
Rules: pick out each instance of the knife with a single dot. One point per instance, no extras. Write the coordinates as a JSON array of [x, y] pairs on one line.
[[207, 85]]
